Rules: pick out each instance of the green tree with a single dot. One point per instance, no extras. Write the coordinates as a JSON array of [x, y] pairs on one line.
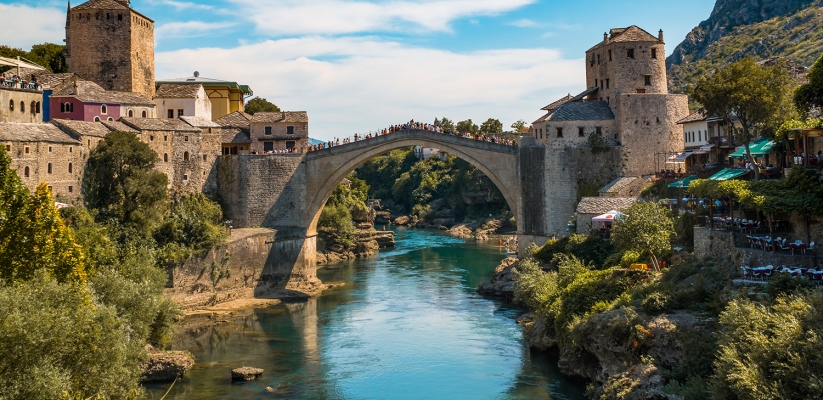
[[194, 226], [121, 183], [444, 123], [49, 55], [645, 228], [467, 126], [810, 95], [491, 126], [757, 96], [520, 126], [259, 104]]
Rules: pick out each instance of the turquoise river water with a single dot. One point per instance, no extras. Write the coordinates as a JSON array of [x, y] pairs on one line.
[[407, 324]]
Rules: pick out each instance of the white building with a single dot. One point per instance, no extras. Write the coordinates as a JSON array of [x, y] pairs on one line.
[[174, 101]]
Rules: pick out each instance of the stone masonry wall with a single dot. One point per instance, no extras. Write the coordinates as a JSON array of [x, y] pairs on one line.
[[720, 245], [142, 55], [38, 156], [648, 125]]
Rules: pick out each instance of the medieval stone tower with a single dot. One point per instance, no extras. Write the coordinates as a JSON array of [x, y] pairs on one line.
[[111, 44]]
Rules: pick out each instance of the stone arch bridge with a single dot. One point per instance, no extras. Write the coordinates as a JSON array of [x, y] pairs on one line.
[[287, 192]]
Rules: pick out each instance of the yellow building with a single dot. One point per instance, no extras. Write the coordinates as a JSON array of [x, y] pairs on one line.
[[226, 97]]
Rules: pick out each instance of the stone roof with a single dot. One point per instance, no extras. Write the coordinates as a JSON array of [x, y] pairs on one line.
[[584, 94], [287, 116], [236, 135], [553, 106], [618, 184], [199, 122], [543, 118], [158, 124], [583, 111], [101, 5], [237, 119], [602, 205], [91, 92], [82, 128], [25, 132], [171, 91], [53, 80], [630, 34], [118, 126], [693, 117]]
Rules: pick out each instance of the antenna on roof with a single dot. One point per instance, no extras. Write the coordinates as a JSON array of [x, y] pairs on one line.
[[196, 74]]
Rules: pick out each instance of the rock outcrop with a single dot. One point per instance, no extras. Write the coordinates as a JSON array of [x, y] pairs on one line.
[[166, 366], [501, 283], [245, 373]]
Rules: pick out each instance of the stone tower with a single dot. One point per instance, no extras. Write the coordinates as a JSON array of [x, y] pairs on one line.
[[112, 45]]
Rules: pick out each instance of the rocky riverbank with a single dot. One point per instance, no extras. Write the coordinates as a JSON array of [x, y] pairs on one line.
[[365, 242]]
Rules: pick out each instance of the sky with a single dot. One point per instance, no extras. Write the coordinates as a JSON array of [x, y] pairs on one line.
[[362, 65]]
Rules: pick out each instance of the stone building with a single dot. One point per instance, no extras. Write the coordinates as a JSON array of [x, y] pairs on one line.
[[617, 127], [175, 101], [236, 135], [226, 97], [20, 105], [283, 131], [109, 43], [83, 100]]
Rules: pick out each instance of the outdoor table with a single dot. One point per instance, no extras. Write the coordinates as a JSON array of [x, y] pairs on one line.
[[799, 246]]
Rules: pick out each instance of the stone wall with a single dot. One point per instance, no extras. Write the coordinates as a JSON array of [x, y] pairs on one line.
[[648, 125], [279, 135], [571, 133], [721, 245], [532, 164], [16, 105], [141, 52], [49, 162]]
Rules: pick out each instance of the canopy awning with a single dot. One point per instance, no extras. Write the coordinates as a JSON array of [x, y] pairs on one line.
[[683, 183], [607, 217], [680, 158], [18, 63], [727, 174], [758, 149], [707, 147]]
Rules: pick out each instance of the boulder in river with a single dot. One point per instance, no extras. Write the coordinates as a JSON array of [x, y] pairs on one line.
[[166, 366], [245, 373]]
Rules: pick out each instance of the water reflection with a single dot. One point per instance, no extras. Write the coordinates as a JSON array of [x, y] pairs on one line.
[[406, 325]]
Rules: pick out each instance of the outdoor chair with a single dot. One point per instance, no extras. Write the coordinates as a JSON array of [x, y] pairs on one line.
[[747, 272], [784, 246]]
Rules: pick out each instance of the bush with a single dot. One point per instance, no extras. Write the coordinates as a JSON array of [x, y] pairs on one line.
[[194, 226], [337, 219], [786, 284], [589, 249], [656, 303], [533, 287]]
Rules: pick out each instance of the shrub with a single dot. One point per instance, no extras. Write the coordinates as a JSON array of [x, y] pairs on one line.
[[787, 284], [656, 303], [533, 287]]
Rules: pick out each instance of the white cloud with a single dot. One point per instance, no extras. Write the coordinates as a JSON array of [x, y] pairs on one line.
[[24, 26], [524, 23], [300, 17], [353, 85], [189, 29], [182, 5]]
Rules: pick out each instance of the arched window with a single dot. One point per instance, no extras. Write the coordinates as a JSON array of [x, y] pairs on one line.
[[104, 109], [166, 157], [186, 156], [110, 119], [11, 105], [49, 168], [96, 119], [33, 107], [70, 168], [26, 172], [70, 107], [145, 114], [38, 107], [131, 113]]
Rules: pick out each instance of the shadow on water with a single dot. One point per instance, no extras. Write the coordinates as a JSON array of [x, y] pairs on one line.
[[407, 325]]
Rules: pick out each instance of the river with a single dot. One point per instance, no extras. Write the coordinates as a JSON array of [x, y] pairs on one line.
[[407, 324]]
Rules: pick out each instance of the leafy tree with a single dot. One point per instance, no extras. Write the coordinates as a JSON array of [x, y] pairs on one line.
[[194, 226], [259, 104], [444, 123], [810, 95], [520, 126], [121, 183], [467, 126], [491, 126], [645, 228], [336, 218], [759, 97], [49, 55]]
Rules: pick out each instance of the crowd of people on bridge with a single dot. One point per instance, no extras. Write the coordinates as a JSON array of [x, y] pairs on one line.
[[412, 125]]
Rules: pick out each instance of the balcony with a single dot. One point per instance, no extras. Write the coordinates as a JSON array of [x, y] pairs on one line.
[[723, 141]]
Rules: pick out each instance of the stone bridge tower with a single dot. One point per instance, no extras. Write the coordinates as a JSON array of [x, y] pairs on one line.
[[109, 43]]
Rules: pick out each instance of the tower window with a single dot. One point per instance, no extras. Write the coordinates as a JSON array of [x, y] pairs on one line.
[[654, 53], [48, 168], [49, 149], [11, 105], [119, 17], [96, 119], [598, 59], [70, 168], [580, 131], [186, 156], [185, 138], [144, 114], [607, 83], [559, 132], [647, 80], [610, 55], [166, 157], [185, 177], [26, 172], [22, 107], [170, 114], [290, 130], [267, 130], [38, 107], [204, 157], [165, 138], [630, 53], [26, 150], [71, 189]]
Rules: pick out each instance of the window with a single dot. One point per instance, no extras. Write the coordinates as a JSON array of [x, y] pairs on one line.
[[96, 119], [38, 107], [647, 79], [33, 107], [580, 131], [48, 168], [186, 156], [70, 168], [26, 172], [119, 17], [8, 148], [62, 107], [185, 138], [290, 144], [654, 53], [70, 149], [610, 55], [26, 150], [205, 157], [599, 130], [179, 113], [630, 53], [165, 138], [171, 113], [267, 130], [598, 59], [559, 132], [607, 83], [131, 113], [185, 177], [268, 146], [151, 138], [641, 91], [22, 107], [49, 149], [145, 114], [11, 105], [166, 157], [88, 142], [104, 109], [71, 189], [290, 130]]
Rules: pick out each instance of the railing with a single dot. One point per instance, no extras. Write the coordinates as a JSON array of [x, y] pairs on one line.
[[21, 85], [723, 141]]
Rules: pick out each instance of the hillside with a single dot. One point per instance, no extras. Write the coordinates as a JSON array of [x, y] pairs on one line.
[[736, 29]]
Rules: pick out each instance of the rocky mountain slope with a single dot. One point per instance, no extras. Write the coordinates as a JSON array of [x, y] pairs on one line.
[[736, 29]]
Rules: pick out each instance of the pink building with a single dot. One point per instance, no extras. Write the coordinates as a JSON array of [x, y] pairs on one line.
[[80, 100]]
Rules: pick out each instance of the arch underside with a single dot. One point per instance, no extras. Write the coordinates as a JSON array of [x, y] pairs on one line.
[[499, 167]]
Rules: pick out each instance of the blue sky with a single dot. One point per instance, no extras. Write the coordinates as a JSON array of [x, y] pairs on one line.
[[359, 65]]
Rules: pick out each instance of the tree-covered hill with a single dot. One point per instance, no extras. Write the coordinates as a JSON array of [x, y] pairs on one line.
[[736, 29]]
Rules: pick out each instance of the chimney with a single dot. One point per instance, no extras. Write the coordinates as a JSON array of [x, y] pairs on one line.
[[605, 37], [660, 36]]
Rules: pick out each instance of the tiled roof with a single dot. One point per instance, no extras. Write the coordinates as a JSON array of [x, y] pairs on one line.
[[236, 119], [118, 126], [630, 34], [553, 106], [543, 118], [158, 124], [199, 122], [693, 117], [170, 91], [88, 91], [602, 205], [20, 132], [53, 80], [236, 135], [287, 116], [82, 128], [618, 184], [101, 5], [584, 94], [583, 111]]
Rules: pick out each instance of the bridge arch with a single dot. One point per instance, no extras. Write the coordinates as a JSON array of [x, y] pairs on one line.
[[327, 168]]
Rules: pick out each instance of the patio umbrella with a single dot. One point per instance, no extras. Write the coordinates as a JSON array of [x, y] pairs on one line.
[[607, 217]]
